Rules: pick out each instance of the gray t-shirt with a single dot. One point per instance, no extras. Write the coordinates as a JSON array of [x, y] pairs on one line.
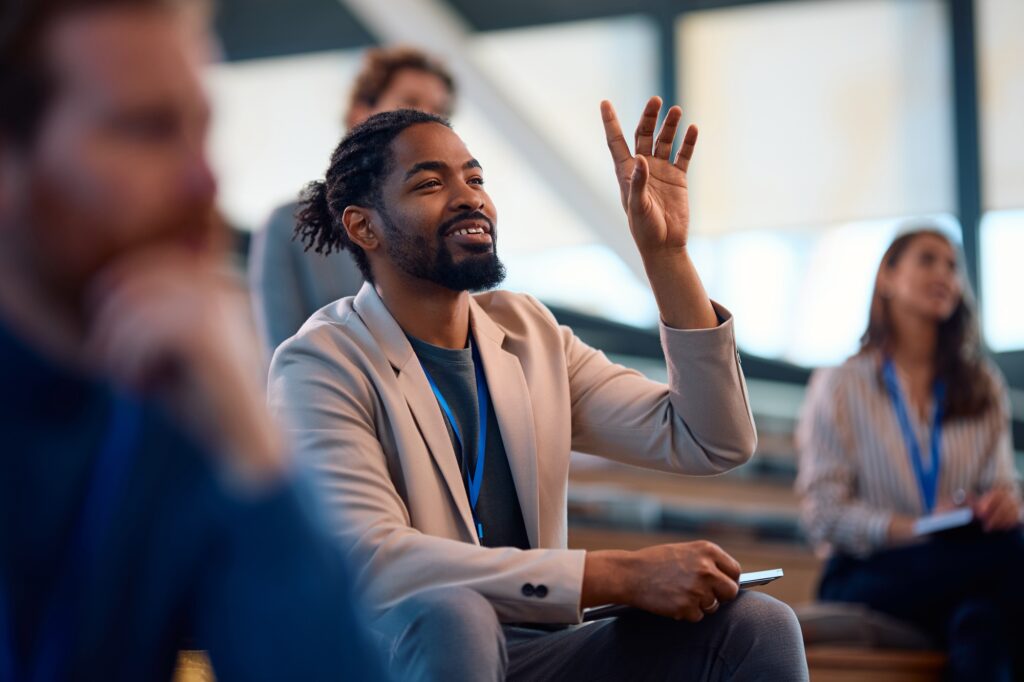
[[498, 507]]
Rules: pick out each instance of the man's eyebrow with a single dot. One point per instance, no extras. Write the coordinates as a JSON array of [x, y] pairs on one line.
[[436, 166], [424, 165]]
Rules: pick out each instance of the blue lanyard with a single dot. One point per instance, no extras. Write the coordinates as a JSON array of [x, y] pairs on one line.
[[52, 644], [476, 478], [927, 480]]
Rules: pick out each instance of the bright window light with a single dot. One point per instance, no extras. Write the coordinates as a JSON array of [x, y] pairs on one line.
[[275, 123], [818, 113], [1002, 279], [1001, 101]]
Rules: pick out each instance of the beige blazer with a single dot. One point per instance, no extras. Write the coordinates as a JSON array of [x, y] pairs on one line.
[[363, 417]]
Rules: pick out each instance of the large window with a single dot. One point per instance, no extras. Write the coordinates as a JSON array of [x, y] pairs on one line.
[[275, 123], [1001, 62], [825, 126]]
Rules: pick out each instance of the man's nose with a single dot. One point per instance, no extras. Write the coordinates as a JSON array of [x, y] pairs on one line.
[[200, 183], [467, 200]]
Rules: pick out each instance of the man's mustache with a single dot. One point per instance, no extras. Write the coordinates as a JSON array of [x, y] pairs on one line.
[[462, 217]]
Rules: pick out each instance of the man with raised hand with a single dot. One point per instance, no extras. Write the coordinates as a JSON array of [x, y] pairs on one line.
[[439, 426], [144, 493]]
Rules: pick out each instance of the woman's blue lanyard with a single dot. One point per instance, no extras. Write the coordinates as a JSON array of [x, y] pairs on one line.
[[53, 641], [927, 479], [476, 478]]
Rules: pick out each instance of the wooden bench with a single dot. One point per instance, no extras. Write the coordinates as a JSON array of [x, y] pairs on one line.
[[857, 664]]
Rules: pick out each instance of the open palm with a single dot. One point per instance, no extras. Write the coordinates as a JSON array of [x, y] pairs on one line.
[[652, 187]]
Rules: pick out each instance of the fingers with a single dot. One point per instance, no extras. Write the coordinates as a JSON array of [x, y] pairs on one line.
[[725, 563], [613, 134], [711, 608], [644, 137], [686, 149], [638, 185], [667, 136], [998, 510]]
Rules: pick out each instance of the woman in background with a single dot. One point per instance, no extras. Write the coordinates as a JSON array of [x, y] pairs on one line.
[[917, 423]]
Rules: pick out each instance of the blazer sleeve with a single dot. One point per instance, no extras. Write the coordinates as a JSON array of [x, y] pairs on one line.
[[699, 423], [830, 510], [333, 413], [279, 304]]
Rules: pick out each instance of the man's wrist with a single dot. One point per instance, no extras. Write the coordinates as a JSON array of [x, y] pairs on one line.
[[682, 301], [662, 259], [607, 578]]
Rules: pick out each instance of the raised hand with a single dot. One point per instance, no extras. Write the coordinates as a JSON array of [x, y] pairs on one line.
[[655, 197], [653, 188]]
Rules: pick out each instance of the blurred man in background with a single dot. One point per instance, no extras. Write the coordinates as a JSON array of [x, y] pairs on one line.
[[290, 283], [144, 494]]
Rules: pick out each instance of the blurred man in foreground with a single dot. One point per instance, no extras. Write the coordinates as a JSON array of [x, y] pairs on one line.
[[144, 495], [289, 283]]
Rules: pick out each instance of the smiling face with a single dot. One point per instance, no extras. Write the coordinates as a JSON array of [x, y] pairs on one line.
[[924, 280], [438, 222]]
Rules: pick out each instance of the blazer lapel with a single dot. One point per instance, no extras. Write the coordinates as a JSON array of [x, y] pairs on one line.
[[511, 399], [418, 394]]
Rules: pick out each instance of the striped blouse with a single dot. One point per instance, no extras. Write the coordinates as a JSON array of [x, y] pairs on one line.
[[855, 472]]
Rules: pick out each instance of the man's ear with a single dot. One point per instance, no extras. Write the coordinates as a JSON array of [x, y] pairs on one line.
[[358, 224]]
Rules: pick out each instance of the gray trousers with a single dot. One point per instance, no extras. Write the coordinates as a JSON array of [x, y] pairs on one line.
[[453, 634]]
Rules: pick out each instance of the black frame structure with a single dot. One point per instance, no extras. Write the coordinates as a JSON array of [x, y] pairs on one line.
[[265, 28]]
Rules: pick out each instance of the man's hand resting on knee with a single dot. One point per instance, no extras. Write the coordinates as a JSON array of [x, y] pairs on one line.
[[685, 581]]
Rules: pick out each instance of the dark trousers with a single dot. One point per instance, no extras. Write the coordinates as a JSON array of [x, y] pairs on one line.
[[965, 589], [452, 634]]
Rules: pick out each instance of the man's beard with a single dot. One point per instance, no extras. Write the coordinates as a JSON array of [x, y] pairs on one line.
[[415, 255]]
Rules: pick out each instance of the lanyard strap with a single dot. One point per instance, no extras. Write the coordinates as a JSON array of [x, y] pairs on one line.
[[108, 477], [927, 479], [476, 478]]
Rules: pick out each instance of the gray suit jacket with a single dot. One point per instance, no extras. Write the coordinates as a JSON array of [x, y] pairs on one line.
[[289, 284], [364, 418]]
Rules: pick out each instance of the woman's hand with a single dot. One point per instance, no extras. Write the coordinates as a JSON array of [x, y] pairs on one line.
[[997, 510]]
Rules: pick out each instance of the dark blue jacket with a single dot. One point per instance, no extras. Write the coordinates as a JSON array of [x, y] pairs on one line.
[[185, 561]]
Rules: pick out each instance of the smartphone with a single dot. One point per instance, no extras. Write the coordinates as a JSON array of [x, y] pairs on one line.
[[758, 578], [755, 579]]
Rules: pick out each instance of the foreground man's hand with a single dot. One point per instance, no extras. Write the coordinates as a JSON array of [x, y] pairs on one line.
[[654, 194], [165, 322], [685, 581]]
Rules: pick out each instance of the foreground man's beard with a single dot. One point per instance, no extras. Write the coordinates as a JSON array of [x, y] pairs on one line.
[[415, 255]]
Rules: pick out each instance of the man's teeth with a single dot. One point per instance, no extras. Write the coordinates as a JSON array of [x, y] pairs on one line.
[[470, 230]]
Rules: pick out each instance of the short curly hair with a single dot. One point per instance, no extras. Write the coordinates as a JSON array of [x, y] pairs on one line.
[[381, 64], [358, 166]]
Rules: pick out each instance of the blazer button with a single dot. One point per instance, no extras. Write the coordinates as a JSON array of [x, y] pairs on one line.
[[528, 590], [541, 591]]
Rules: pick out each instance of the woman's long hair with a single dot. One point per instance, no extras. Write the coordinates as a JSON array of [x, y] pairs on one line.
[[958, 354]]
